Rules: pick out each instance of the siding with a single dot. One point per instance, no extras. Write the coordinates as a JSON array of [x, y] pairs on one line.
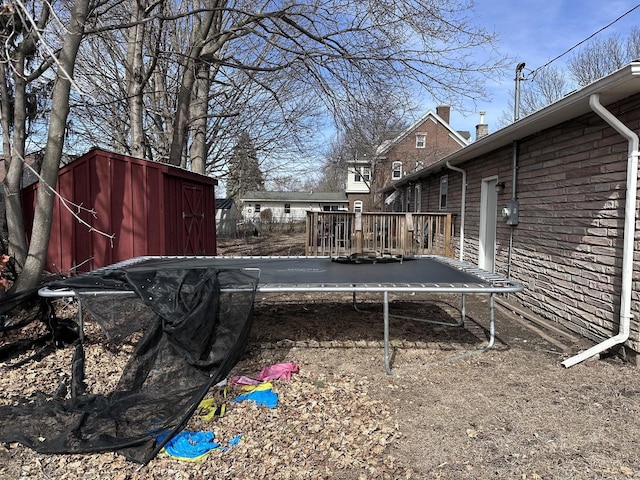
[[567, 247]]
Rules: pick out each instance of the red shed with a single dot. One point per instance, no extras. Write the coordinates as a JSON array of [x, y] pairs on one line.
[[151, 208]]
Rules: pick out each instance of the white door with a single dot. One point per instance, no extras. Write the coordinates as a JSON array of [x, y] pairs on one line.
[[488, 221]]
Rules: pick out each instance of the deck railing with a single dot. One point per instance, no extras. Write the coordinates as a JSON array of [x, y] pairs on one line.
[[339, 234]]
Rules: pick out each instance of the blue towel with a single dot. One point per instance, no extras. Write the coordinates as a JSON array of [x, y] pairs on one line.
[[268, 398], [188, 445]]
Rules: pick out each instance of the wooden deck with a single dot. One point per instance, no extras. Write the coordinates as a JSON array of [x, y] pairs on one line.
[[342, 234]]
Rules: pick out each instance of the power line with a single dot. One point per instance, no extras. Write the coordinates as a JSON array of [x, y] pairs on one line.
[[534, 71]]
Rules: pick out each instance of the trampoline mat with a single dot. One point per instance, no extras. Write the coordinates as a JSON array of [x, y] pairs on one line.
[[317, 271]]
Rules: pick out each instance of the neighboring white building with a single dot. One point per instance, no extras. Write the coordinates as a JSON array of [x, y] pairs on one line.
[[359, 177], [226, 217], [290, 206]]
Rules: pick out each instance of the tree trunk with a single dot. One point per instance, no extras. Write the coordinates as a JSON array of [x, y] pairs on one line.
[[13, 180], [5, 124], [181, 121], [34, 265], [199, 110], [135, 79]]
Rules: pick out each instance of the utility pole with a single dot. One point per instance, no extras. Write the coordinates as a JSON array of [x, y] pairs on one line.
[[516, 103]]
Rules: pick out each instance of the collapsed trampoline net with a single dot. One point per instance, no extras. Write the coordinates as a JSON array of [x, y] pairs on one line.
[[186, 328]]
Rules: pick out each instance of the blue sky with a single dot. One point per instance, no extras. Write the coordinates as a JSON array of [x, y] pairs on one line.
[[536, 31]]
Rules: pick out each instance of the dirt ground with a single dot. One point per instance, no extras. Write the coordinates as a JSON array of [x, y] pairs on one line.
[[445, 412]]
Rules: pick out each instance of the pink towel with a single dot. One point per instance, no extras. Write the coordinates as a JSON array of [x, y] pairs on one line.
[[279, 370], [242, 380]]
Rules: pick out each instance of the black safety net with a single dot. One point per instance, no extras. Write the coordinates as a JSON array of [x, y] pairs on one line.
[[188, 328]]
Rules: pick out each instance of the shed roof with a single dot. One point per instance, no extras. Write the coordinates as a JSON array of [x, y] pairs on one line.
[[612, 88], [224, 203]]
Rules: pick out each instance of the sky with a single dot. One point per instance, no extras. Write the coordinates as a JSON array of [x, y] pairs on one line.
[[534, 32]]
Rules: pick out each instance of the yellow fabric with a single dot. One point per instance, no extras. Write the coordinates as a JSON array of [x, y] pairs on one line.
[[257, 388], [209, 407], [188, 459]]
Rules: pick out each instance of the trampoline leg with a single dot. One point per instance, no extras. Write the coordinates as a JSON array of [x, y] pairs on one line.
[[354, 302], [492, 336], [492, 323], [80, 322], [387, 359]]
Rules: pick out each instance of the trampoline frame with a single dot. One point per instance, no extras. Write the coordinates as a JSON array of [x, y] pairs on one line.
[[487, 283]]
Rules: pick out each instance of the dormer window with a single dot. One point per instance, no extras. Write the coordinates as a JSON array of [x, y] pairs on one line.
[[396, 170], [421, 140]]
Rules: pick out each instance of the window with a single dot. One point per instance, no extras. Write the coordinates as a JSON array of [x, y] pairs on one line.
[[362, 174], [444, 186], [396, 170], [287, 208], [421, 140], [257, 208], [330, 208], [357, 206]]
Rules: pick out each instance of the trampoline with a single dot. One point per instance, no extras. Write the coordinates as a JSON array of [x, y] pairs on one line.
[[427, 274]]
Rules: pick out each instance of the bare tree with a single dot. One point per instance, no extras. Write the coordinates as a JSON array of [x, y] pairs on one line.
[[372, 121], [40, 51], [222, 66], [602, 56], [43, 216], [21, 36], [180, 73], [598, 58], [537, 91]]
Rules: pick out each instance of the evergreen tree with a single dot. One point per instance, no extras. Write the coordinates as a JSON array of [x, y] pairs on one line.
[[244, 173]]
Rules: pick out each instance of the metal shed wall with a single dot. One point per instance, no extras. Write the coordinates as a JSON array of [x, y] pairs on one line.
[[151, 208]]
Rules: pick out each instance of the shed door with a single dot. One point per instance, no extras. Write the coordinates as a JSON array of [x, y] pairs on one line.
[[488, 223], [192, 219]]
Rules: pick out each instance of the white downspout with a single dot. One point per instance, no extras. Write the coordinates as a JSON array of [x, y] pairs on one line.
[[463, 207], [629, 232]]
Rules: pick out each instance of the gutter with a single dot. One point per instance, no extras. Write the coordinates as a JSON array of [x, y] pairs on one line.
[[463, 206], [628, 239], [618, 85]]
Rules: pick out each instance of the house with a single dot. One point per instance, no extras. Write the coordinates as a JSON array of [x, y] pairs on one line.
[[284, 207], [550, 201], [226, 217], [423, 143], [117, 207], [358, 185]]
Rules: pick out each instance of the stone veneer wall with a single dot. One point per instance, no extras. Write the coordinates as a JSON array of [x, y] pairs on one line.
[[567, 247]]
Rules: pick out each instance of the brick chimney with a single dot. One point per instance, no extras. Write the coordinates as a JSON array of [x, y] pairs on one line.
[[444, 112], [482, 129]]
